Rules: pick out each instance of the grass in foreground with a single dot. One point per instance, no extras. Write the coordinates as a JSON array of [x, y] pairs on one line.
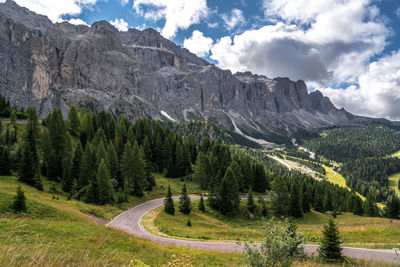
[[53, 243], [9, 184], [356, 231], [55, 233], [394, 181]]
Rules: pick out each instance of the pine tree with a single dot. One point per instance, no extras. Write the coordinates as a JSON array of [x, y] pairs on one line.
[[260, 183], [358, 209], [87, 170], [229, 195], [238, 174], [280, 201], [76, 161], [13, 117], [202, 207], [5, 161], [370, 205], [251, 206], [104, 184], [318, 201], [19, 204], [305, 198], [101, 153], [294, 207], [330, 250], [87, 130], [68, 179], [248, 172], [189, 223], [185, 205], [191, 145], [263, 206], [392, 207], [169, 203], [202, 170], [57, 133], [328, 206], [150, 180], [133, 168], [29, 165], [113, 162], [92, 193], [74, 120]]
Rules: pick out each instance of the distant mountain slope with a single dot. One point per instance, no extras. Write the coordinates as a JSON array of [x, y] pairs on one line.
[[142, 74]]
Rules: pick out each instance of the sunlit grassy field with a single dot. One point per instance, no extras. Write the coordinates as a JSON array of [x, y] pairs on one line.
[[337, 178], [356, 231], [55, 232], [393, 182], [9, 184]]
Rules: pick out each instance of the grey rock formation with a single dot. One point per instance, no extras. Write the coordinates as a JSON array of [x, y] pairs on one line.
[[139, 73]]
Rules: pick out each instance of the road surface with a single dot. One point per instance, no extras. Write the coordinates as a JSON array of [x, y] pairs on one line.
[[130, 222]]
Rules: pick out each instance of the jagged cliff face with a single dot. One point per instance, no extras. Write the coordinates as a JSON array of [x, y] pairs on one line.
[[139, 73]]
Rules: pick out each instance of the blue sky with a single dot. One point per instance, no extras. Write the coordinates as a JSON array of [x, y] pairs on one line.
[[348, 49]]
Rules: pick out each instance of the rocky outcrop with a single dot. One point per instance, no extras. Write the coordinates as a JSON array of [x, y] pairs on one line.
[[139, 73]]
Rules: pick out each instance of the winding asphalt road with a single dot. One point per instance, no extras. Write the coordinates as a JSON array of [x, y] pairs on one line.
[[130, 222]]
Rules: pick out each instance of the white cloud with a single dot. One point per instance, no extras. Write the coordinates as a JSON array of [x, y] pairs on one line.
[[308, 39], [120, 24], [198, 44], [233, 19], [377, 93], [124, 2], [56, 9], [178, 14], [77, 22], [398, 12], [213, 25]]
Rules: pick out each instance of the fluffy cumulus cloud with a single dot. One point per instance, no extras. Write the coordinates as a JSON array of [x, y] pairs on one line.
[[308, 39], [198, 44], [78, 22], [56, 9], [178, 14], [120, 24], [377, 93], [274, 50], [233, 19]]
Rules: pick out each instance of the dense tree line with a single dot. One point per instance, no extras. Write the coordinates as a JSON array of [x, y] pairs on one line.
[[95, 157], [226, 176], [371, 174], [9, 149], [296, 194], [102, 160], [346, 144], [7, 111], [200, 129]]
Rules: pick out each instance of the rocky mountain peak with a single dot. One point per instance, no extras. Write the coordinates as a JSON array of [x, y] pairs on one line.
[[25, 16], [141, 74]]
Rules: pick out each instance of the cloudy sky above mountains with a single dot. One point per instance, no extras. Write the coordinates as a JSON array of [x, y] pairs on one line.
[[348, 49]]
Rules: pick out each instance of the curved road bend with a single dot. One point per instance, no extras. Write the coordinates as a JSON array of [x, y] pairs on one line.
[[130, 222]]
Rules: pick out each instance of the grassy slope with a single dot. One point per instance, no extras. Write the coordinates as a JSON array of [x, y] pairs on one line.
[[56, 233], [355, 230], [394, 179], [393, 182]]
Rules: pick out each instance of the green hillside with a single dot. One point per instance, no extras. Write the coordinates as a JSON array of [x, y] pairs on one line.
[[56, 232]]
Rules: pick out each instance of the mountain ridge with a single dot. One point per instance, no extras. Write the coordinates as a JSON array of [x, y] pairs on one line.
[[141, 74]]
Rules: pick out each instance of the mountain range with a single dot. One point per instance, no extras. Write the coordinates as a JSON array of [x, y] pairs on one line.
[[141, 74]]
